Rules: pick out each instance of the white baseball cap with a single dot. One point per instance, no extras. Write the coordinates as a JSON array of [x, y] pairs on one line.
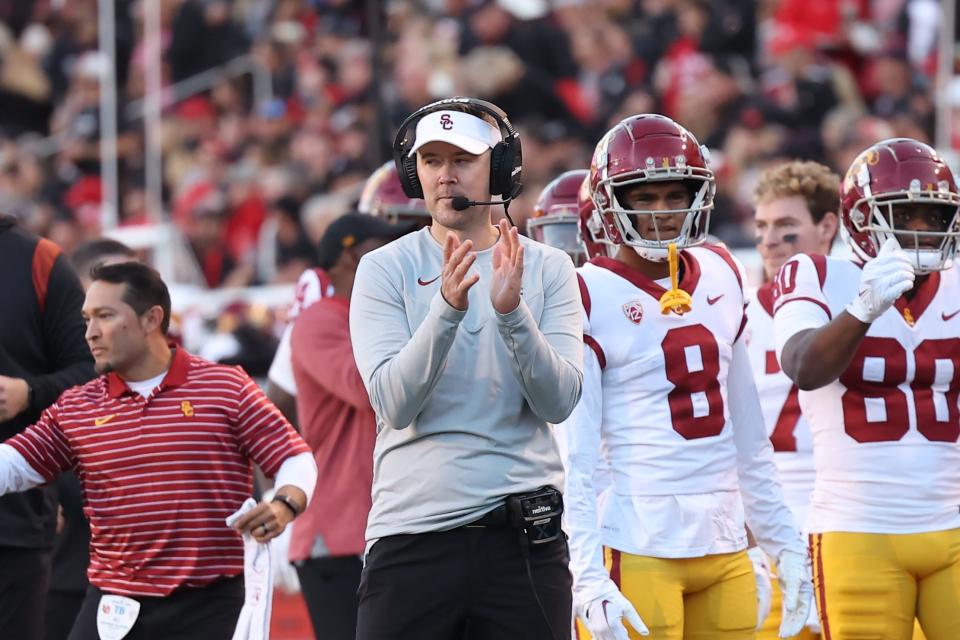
[[468, 132]]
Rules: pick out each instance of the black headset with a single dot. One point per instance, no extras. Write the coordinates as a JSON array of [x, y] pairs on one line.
[[505, 157]]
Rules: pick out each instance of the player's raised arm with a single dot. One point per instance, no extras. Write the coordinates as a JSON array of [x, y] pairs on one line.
[[814, 353]]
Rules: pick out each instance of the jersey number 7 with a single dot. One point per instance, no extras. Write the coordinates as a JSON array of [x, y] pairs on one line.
[[783, 437]]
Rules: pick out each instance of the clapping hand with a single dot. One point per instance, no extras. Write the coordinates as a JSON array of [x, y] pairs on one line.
[[454, 281], [507, 276]]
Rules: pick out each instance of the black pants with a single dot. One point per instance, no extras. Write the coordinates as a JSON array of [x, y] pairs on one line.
[[329, 588], [24, 577], [62, 610], [467, 583], [201, 613]]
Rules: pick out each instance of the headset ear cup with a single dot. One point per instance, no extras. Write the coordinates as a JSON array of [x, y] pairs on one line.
[[409, 180], [496, 169], [502, 159]]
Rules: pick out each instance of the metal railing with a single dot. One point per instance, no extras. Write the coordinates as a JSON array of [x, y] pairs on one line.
[[180, 91]]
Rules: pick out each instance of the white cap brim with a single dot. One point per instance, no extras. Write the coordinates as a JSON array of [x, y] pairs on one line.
[[463, 130]]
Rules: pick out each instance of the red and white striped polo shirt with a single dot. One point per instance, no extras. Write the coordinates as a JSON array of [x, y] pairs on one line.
[[160, 474]]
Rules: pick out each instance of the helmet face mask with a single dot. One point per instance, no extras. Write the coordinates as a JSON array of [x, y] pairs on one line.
[[559, 231], [886, 188], [649, 149], [651, 231], [401, 215]]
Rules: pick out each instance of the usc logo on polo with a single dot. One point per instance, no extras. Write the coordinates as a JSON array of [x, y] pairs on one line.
[[186, 408]]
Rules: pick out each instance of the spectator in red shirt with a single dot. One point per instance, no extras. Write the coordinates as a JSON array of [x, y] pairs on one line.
[[162, 443], [339, 425]]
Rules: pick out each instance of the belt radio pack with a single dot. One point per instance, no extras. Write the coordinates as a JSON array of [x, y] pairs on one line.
[[536, 514]]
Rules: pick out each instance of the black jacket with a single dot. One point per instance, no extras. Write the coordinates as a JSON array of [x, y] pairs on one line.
[[41, 341]]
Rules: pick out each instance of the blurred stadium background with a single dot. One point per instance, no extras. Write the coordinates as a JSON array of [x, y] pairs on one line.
[[220, 137]]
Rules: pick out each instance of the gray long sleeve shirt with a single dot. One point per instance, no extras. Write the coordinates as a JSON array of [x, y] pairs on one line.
[[463, 399]]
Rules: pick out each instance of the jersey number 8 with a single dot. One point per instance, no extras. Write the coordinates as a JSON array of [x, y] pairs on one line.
[[679, 346]]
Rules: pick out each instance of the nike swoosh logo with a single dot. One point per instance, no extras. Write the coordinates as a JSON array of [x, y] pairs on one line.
[[421, 282], [712, 301], [948, 316], [104, 419]]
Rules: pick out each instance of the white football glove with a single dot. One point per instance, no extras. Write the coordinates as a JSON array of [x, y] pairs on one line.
[[813, 621], [883, 280], [604, 616], [761, 571], [796, 585]]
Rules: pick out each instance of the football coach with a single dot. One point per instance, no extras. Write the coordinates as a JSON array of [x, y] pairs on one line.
[[162, 443], [468, 338]]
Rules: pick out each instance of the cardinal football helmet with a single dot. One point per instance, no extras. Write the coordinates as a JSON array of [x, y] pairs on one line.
[[556, 214], [383, 196], [651, 148], [883, 178]]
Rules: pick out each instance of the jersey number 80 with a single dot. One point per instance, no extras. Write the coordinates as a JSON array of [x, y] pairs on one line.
[[892, 423]]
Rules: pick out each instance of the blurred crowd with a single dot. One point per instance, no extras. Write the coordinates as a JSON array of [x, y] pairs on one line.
[[251, 178]]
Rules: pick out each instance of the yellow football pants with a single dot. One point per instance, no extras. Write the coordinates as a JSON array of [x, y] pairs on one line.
[[708, 598], [872, 586]]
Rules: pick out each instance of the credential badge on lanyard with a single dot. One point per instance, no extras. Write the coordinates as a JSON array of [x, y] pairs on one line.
[[116, 615]]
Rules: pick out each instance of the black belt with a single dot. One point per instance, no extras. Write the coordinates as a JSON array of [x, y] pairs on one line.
[[496, 518]]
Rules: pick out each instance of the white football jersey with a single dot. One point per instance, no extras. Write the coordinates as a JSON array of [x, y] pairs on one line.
[[663, 406], [885, 434], [779, 398], [312, 285]]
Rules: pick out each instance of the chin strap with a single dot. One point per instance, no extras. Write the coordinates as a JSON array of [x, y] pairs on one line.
[[676, 299]]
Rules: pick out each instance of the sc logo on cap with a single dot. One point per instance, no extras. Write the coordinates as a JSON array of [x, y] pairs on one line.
[[446, 121]]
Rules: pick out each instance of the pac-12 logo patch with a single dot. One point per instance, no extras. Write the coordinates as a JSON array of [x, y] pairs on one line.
[[633, 311], [446, 121]]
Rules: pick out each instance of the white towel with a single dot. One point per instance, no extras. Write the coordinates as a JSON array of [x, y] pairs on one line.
[[254, 620]]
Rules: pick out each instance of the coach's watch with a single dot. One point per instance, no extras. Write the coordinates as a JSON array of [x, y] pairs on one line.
[[289, 502]]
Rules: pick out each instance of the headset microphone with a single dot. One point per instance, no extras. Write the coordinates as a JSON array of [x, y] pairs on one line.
[[460, 203]]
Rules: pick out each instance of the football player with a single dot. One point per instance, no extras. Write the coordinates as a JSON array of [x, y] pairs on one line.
[[873, 345], [668, 396], [313, 284], [796, 205], [595, 243], [555, 219], [383, 196]]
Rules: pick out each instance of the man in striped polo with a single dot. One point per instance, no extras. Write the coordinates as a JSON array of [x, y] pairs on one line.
[[162, 442]]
